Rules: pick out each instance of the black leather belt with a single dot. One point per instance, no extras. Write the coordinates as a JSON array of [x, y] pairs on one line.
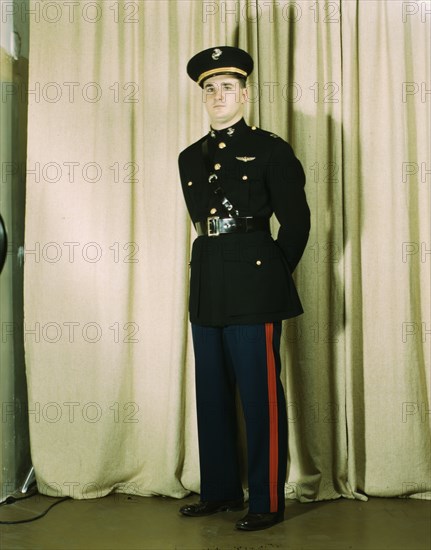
[[215, 226]]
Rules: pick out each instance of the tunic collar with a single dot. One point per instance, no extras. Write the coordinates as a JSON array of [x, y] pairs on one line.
[[231, 131]]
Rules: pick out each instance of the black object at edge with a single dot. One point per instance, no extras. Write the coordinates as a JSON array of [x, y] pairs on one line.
[[3, 243]]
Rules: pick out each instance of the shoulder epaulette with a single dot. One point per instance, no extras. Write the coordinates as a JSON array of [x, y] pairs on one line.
[[264, 132]]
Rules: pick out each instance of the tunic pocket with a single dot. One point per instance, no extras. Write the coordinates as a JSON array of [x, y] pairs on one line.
[[258, 281]]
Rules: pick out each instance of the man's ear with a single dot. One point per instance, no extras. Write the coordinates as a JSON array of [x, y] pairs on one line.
[[244, 95]]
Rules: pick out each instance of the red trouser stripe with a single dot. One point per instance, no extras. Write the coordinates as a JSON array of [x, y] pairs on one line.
[[273, 418]]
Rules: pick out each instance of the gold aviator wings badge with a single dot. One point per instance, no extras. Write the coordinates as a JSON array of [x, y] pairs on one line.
[[245, 159]]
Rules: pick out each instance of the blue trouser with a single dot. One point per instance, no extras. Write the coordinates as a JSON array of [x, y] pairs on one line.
[[247, 356]]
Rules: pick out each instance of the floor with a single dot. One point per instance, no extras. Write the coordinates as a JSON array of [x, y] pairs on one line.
[[139, 523]]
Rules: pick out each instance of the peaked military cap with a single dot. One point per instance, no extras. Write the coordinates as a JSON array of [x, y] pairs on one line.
[[220, 60]]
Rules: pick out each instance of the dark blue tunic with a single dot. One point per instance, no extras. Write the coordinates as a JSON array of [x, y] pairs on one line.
[[245, 278]]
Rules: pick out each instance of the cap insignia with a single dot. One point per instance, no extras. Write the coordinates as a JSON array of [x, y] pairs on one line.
[[216, 54]]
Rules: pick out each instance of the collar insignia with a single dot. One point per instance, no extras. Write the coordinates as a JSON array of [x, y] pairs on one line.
[[230, 131], [216, 54], [245, 159], [212, 134]]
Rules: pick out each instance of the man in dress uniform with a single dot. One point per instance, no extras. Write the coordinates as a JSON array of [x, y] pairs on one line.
[[241, 288]]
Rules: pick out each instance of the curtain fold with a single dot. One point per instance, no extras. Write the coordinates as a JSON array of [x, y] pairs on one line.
[[387, 214], [108, 349]]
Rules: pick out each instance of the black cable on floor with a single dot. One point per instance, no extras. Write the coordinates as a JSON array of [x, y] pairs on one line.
[[12, 500]]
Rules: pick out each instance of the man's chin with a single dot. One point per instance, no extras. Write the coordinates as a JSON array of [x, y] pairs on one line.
[[219, 119], [220, 111]]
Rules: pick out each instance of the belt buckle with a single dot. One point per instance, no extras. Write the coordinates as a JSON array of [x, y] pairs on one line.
[[213, 229]]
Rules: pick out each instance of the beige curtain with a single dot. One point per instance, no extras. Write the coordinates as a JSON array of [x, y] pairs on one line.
[[108, 350]]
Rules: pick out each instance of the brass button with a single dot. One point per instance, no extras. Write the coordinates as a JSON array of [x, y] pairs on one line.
[[190, 183], [253, 127], [213, 210], [258, 262], [222, 145], [217, 166], [245, 177]]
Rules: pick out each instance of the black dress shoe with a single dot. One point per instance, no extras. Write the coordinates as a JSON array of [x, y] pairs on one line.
[[208, 507], [254, 522]]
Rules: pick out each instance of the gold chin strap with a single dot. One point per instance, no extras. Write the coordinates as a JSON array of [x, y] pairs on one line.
[[221, 70]]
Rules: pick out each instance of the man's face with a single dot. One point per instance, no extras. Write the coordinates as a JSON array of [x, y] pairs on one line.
[[224, 100]]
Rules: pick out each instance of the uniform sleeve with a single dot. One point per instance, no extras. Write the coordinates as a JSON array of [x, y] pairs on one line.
[[285, 180], [183, 178]]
